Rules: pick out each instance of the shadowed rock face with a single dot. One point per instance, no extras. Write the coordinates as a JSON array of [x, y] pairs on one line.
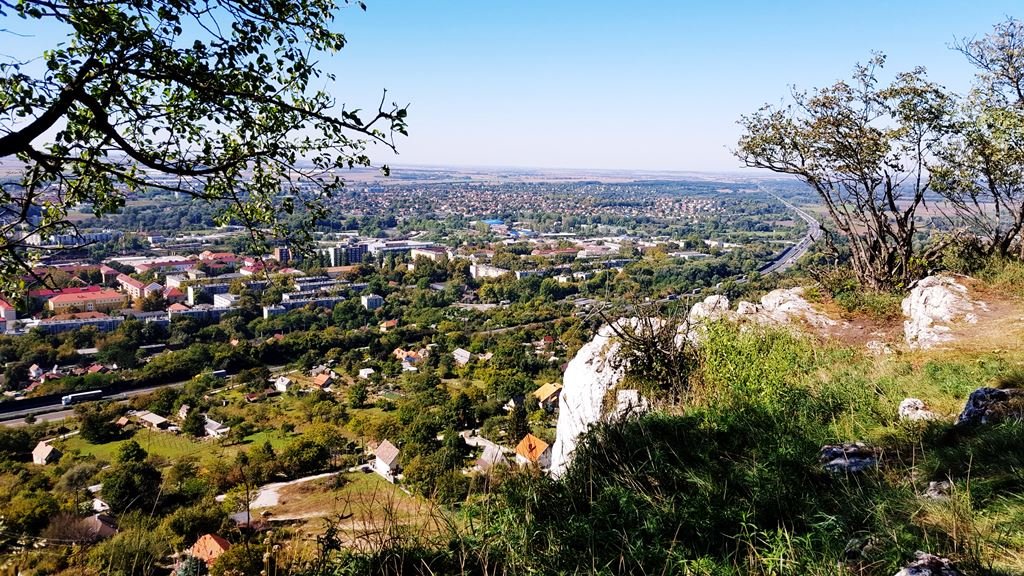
[[848, 458], [989, 405], [930, 565], [932, 307]]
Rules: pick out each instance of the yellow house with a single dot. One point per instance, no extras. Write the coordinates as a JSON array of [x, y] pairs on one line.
[[99, 301]]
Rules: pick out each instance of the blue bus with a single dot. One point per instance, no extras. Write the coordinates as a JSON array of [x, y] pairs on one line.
[[81, 397]]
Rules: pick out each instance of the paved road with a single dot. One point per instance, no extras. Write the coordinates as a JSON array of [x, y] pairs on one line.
[[790, 257], [56, 412]]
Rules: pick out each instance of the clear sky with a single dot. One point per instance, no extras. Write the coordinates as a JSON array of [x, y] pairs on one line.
[[655, 85], [621, 85]]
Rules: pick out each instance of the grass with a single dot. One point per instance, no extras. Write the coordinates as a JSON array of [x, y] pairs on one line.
[[728, 482], [161, 444]]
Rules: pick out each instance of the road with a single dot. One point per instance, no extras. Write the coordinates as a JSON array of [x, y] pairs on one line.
[[788, 258], [56, 412]]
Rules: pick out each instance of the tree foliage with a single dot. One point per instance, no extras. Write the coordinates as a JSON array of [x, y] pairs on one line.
[[216, 100], [864, 148], [876, 153]]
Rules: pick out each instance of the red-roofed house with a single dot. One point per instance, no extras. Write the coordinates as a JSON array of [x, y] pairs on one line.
[[533, 451], [138, 288], [46, 293], [209, 547], [173, 295], [8, 315]]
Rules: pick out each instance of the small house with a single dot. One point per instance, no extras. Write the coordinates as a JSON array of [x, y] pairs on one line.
[[462, 357], [214, 429], [282, 383], [491, 458], [365, 373], [154, 421], [386, 461], [100, 526], [44, 454], [387, 325], [547, 395], [209, 547], [532, 451], [323, 380]]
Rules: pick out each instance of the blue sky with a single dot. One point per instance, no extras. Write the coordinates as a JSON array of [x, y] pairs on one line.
[[651, 85]]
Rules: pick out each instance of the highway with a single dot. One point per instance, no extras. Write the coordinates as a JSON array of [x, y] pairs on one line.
[[794, 253], [57, 412]]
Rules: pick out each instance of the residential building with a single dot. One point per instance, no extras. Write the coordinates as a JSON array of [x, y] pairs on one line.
[[461, 356], [547, 395], [282, 254], [102, 300], [372, 301], [44, 454], [8, 315], [137, 288], [532, 451], [478, 271], [492, 457], [432, 253], [386, 461], [213, 428], [226, 300], [69, 322], [100, 525], [282, 384], [209, 547], [154, 421]]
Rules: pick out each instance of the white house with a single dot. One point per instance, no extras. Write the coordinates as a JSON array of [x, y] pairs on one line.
[[365, 373], [44, 454], [215, 429], [282, 383], [386, 461], [462, 357]]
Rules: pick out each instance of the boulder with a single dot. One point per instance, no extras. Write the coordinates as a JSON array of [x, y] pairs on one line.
[[848, 458], [930, 565], [934, 304], [938, 490], [914, 409], [786, 305], [712, 308], [989, 405], [776, 308]]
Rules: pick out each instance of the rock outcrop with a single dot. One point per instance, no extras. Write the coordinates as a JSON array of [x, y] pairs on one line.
[[930, 565], [594, 371], [776, 308], [597, 368], [932, 307], [989, 405]]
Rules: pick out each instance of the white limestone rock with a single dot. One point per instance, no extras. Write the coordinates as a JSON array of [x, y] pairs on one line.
[[934, 304], [590, 374], [914, 409], [712, 308]]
